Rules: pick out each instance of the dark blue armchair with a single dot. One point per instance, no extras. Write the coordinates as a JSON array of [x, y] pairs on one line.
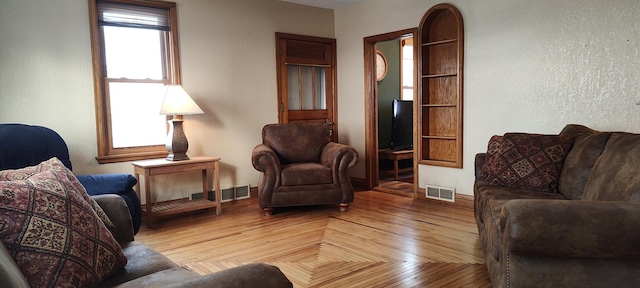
[[25, 145]]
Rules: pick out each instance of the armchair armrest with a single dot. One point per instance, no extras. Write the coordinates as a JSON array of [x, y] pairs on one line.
[[264, 159], [118, 212], [338, 155], [571, 228]]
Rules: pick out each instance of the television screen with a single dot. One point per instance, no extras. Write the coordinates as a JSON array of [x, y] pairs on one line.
[[402, 125]]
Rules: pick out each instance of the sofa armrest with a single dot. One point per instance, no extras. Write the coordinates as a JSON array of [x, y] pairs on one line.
[[338, 155], [250, 275], [120, 184], [118, 212], [99, 184], [571, 228], [479, 161]]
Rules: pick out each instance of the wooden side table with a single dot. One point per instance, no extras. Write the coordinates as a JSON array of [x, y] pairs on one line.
[[395, 156], [149, 168]]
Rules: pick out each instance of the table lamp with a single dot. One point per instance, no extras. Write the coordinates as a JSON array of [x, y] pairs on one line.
[[177, 103]]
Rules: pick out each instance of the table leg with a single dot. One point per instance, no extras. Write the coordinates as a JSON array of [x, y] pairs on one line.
[[395, 168], [216, 181], [147, 200], [205, 184]]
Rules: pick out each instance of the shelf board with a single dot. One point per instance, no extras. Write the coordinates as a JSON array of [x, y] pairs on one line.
[[438, 105], [439, 75], [439, 42], [439, 137], [167, 208]]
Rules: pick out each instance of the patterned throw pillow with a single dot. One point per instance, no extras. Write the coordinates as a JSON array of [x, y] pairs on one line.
[[51, 230], [55, 163], [530, 161]]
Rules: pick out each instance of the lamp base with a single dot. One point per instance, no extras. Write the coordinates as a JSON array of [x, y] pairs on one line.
[[177, 143], [177, 157]]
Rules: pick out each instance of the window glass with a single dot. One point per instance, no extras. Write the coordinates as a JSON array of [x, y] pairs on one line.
[[135, 105], [306, 87], [133, 53], [407, 69]]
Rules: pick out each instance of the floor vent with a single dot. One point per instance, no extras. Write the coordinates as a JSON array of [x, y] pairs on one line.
[[441, 193], [242, 192], [228, 194]]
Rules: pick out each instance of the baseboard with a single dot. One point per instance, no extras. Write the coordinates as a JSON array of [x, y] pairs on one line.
[[358, 183]]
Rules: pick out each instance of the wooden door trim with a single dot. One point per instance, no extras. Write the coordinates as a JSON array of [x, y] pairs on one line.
[[371, 106]]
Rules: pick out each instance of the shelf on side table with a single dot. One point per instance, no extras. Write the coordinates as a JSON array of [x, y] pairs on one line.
[[168, 208]]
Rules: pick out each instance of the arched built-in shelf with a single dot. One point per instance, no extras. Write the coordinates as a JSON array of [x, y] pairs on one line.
[[441, 53]]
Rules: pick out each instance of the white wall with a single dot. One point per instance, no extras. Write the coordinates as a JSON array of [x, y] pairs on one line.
[[228, 67], [531, 66]]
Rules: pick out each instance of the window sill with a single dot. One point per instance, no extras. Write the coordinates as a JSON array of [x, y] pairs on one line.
[[115, 158]]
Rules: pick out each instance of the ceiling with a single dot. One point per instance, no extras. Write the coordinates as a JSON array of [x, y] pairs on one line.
[[328, 4]]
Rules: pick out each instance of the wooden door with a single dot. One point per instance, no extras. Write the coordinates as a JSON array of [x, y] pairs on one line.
[[306, 80]]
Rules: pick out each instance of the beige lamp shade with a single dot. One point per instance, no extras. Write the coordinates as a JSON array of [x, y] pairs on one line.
[[178, 102]]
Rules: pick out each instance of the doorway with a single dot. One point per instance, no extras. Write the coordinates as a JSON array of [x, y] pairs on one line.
[[377, 136]]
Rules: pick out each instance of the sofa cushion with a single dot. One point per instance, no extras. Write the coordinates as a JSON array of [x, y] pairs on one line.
[[306, 174], [49, 226], [615, 173], [143, 261], [530, 161], [588, 144]]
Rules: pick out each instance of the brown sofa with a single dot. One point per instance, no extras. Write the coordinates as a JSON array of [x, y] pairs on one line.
[[147, 268], [584, 233], [300, 166]]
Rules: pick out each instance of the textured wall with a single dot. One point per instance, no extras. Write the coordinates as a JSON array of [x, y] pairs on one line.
[[530, 66]]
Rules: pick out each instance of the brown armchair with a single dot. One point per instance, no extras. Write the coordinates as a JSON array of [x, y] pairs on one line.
[[300, 166]]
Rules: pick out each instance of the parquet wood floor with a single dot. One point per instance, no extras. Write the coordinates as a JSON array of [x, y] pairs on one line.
[[384, 240]]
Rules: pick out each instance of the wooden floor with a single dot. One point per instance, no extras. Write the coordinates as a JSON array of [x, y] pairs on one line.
[[385, 240]]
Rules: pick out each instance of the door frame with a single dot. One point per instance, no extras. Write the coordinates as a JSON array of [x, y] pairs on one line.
[[371, 106]]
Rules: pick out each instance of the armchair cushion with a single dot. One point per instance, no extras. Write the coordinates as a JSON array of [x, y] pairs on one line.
[[306, 174], [52, 229], [302, 142]]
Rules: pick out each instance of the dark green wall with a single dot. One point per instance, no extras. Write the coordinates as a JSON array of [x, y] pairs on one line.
[[388, 90]]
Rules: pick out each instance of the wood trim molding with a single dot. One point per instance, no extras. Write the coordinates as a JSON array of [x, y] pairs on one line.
[[371, 104]]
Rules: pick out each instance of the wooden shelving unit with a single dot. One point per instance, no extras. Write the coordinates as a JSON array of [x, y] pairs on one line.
[[441, 65]]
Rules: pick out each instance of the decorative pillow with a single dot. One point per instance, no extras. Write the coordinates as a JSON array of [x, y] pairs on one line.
[[531, 161], [51, 230], [54, 163]]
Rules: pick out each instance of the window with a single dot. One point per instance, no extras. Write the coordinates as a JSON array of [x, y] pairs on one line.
[[406, 70], [135, 54], [306, 87]]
